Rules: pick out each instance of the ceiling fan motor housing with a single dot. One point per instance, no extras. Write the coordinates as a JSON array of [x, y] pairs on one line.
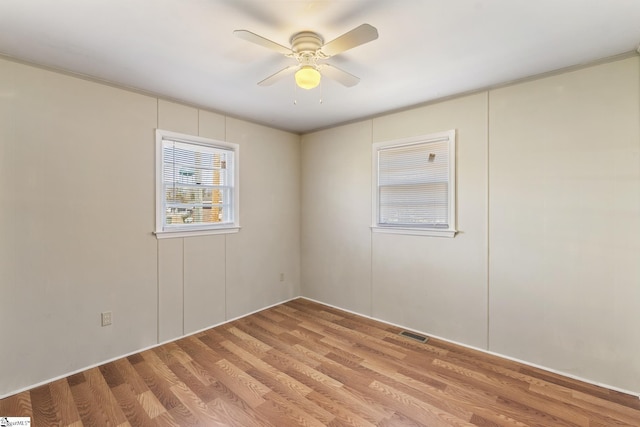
[[306, 41]]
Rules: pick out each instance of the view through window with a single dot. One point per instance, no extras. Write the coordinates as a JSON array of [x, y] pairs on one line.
[[197, 184]]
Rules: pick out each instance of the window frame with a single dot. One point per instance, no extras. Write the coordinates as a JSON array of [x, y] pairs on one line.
[[421, 230], [201, 229]]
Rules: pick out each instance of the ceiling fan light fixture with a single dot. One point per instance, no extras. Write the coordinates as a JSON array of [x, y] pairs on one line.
[[307, 77]]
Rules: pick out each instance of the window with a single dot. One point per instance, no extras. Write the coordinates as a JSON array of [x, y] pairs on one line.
[[414, 185], [196, 185]]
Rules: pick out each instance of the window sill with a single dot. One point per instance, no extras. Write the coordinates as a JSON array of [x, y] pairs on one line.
[[194, 233], [414, 231]]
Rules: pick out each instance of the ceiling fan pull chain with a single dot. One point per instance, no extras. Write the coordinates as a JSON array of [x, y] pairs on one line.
[[295, 94]]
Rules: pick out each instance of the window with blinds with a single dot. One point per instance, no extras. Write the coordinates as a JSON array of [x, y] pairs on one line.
[[414, 185], [197, 188]]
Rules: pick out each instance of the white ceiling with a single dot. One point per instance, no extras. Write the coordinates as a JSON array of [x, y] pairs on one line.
[[427, 49]]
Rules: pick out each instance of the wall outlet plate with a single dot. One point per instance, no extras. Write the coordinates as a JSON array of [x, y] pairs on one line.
[[106, 318]]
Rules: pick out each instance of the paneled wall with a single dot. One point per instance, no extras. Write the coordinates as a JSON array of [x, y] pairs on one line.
[[77, 211], [546, 265], [336, 214], [439, 284], [565, 222], [206, 280]]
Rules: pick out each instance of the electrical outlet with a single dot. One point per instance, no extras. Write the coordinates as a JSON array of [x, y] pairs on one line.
[[106, 318], [282, 277]]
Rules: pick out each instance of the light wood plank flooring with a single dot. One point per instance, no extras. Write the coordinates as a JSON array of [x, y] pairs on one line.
[[302, 363]]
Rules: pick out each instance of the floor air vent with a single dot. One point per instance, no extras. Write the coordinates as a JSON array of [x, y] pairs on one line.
[[414, 336]]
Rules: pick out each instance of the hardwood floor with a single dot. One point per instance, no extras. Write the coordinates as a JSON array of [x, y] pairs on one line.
[[303, 363]]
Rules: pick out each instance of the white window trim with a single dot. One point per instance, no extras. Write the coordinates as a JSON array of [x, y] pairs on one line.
[[204, 230], [417, 230]]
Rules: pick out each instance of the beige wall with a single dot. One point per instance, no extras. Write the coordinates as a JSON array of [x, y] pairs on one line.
[[439, 284], [336, 214], [565, 222], [77, 211], [542, 269], [545, 268]]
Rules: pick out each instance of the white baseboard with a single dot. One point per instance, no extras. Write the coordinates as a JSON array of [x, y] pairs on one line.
[[524, 362], [95, 365]]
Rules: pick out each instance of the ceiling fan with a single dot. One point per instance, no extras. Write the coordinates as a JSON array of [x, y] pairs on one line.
[[309, 50]]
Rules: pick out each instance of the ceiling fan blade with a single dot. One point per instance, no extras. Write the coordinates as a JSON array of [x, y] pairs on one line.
[[341, 76], [359, 35], [259, 40], [278, 76]]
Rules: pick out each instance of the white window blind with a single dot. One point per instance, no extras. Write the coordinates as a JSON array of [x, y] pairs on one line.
[[196, 186], [415, 184]]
